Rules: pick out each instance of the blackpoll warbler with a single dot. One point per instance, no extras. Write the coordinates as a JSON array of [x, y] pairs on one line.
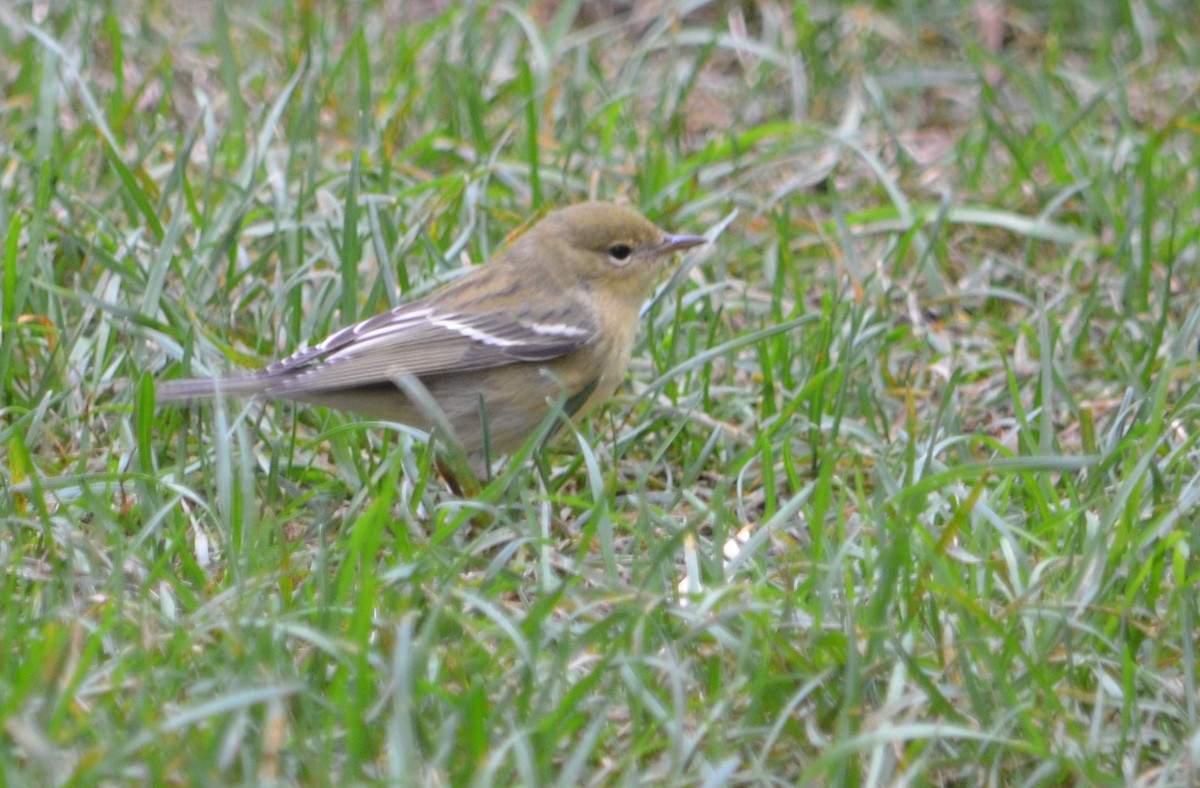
[[486, 356]]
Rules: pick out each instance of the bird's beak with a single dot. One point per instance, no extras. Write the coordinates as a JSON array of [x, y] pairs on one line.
[[677, 243]]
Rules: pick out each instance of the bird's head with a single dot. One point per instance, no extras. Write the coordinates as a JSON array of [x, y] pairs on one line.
[[606, 244]]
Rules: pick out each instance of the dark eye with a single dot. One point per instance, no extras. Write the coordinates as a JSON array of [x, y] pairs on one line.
[[620, 251]]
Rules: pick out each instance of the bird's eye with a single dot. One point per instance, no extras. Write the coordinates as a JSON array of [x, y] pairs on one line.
[[620, 251]]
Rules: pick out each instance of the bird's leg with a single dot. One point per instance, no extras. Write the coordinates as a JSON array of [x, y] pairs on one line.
[[459, 476]]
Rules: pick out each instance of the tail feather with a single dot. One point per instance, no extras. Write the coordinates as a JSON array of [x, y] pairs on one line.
[[199, 388]]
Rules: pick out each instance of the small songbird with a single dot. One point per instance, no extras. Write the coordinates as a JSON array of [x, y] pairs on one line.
[[551, 319]]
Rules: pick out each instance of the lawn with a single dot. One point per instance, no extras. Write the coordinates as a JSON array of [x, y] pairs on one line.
[[903, 485]]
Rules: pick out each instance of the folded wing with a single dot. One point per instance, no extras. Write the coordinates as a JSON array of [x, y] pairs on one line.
[[415, 339]]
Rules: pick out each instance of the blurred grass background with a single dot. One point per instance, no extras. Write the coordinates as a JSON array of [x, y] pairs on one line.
[[902, 488]]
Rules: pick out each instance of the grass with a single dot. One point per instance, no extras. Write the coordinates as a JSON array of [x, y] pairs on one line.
[[902, 487]]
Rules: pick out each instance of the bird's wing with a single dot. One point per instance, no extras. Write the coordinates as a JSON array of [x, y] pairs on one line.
[[421, 339]]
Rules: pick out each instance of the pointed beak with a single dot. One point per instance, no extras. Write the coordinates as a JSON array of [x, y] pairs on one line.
[[677, 243]]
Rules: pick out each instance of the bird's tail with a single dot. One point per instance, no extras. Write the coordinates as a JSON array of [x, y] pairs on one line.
[[199, 388]]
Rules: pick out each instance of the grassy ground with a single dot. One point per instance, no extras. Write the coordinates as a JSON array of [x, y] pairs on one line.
[[902, 487]]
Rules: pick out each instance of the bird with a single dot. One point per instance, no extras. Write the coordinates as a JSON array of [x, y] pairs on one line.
[[549, 322]]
